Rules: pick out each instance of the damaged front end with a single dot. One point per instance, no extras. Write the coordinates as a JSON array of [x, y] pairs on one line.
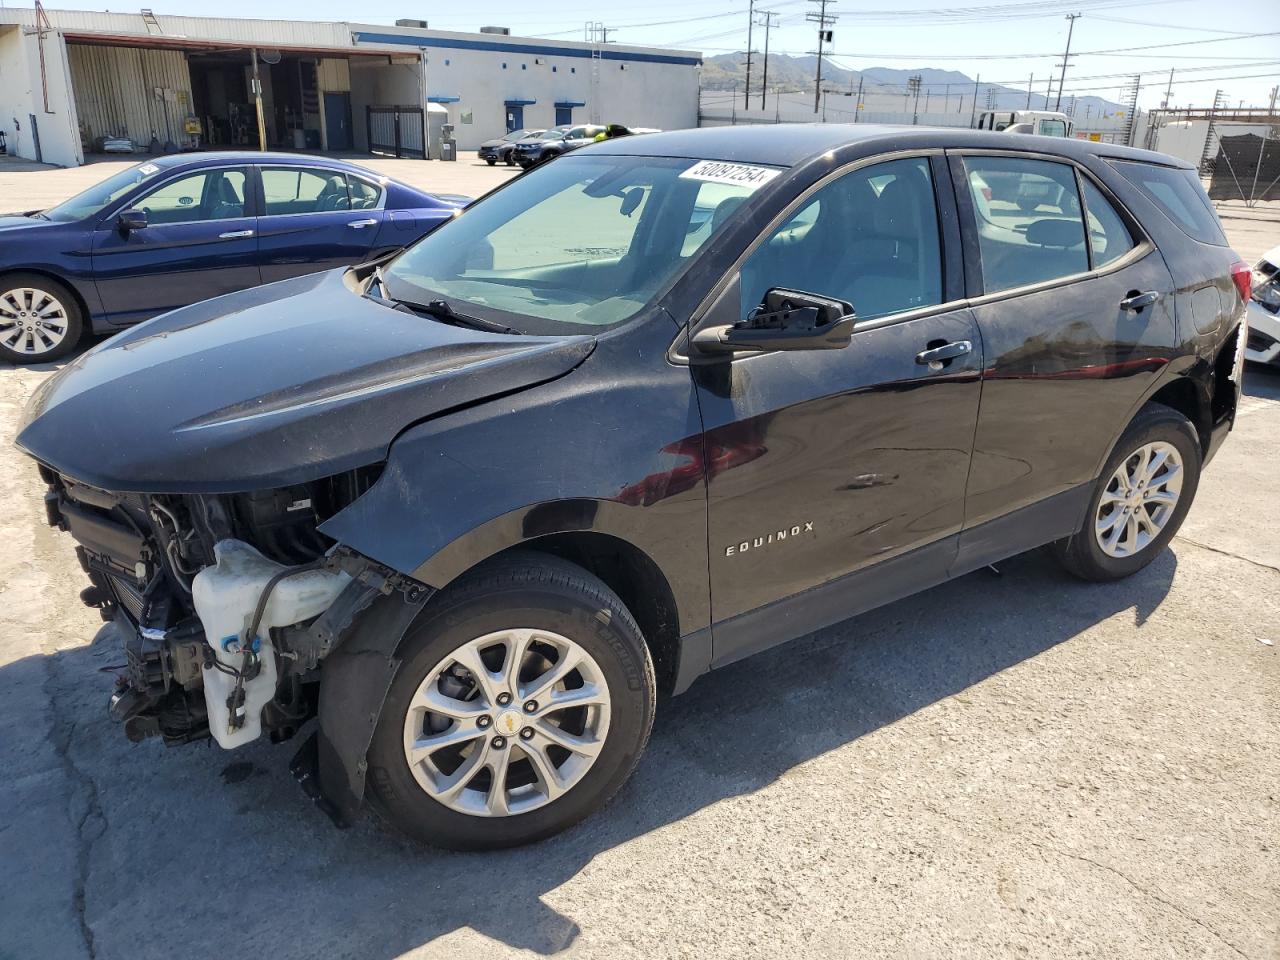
[[225, 605]]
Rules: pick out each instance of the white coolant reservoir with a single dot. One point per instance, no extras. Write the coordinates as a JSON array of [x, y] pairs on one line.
[[226, 595]]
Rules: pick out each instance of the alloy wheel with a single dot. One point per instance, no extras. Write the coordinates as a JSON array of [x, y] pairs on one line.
[[507, 723], [1139, 499], [32, 321]]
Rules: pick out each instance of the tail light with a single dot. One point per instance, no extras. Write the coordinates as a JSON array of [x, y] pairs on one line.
[[1242, 277]]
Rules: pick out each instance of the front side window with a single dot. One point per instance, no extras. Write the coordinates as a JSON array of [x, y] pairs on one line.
[[576, 246], [208, 195], [1030, 227], [302, 190], [869, 238]]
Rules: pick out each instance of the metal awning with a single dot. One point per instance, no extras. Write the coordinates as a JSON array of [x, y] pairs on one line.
[[570, 103], [443, 98]]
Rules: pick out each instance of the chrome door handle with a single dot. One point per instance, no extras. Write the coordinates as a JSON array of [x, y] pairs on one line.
[[948, 351], [235, 235], [1139, 300], [361, 224]]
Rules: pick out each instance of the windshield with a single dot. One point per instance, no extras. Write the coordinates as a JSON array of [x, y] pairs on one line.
[[578, 245], [516, 135], [98, 197]]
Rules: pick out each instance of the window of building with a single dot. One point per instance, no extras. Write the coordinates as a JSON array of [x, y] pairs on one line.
[[208, 195], [869, 238], [1030, 227]]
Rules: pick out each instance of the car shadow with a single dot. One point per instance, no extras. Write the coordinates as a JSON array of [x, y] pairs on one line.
[[228, 843]]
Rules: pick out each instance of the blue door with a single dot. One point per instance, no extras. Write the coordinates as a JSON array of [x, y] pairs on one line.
[[337, 120], [564, 116], [315, 219], [515, 117], [199, 242]]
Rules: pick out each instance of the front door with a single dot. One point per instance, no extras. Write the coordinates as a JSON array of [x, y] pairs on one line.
[[200, 242], [337, 120], [823, 463], [315, 219], [515, 117], [1075, 331]]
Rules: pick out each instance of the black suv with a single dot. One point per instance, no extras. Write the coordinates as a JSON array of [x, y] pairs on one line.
[[652, 408]]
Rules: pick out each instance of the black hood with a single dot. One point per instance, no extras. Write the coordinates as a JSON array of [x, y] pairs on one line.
[[271, 386]]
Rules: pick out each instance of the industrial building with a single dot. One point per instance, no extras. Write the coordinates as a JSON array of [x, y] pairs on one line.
[[72, 81]]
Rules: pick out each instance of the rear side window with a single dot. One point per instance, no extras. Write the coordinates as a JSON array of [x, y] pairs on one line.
[[1030, 227], [1109, 238], [1178, 193]]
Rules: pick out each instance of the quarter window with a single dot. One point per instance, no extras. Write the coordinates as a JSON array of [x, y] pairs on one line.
[[869, 238], [301, 190], [208, 195], [1029, 222], [1109, 238], [1179, 194]]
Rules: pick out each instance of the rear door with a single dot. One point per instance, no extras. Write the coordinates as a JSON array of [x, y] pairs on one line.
[[1074, 331], [200, 242], [315, 219], [823, 463]]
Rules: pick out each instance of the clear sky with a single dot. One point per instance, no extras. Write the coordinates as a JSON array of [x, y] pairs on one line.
[[1209, 45]]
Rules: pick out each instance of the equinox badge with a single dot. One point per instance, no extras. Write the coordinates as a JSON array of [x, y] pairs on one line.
[[776, 537]]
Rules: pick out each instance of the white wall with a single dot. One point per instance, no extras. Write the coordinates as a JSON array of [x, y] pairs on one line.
[[21, 95], [630, 91]]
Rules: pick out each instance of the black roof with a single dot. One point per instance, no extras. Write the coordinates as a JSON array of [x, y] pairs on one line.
[[789, 144]]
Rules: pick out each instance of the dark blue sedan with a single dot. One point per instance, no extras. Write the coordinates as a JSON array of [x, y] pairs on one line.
[[179, 229]]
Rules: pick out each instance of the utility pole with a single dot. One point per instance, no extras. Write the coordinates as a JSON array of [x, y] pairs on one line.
[[824, 22], [1030, 84], [857, 104], [751, 21], [769, 23], [1168, 92], [1066, 57], [973, 114], [913, 84]]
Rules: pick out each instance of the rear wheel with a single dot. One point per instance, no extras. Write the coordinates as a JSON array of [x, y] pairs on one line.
[[39, 318], [1140, 500], [523, 701]]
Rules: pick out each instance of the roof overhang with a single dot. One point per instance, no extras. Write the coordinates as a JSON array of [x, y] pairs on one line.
[[200, 45]]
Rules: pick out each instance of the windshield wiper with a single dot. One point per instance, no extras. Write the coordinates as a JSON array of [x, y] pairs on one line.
[[440, 310]]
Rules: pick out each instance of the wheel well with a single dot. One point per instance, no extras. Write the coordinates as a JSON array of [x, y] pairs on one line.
[[1183, 395], [49, 275], [638, 582]]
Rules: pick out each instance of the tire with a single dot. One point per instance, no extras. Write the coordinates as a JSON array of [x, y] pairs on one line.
[[1154, 430], [490, 161], [40, 318], [522, 592], [510, 162]]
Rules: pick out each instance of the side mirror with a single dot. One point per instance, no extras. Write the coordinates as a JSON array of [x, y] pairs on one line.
[[130, 220], [787, 320]]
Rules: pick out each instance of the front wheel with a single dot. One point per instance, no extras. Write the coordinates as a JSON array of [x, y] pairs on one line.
[[490, 161], [40, 319], [523, 701], [1140, 500]]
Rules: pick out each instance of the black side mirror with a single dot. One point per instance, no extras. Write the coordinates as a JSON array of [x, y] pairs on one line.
[[130, 220], [787, 320]]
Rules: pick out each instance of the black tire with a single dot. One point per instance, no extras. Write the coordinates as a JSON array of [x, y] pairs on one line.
[[490, 161], [521, 589], [510, 162], [71, 306], [1081, 553]]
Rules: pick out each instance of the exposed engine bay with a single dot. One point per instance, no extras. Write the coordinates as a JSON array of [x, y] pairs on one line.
[[225, 604]]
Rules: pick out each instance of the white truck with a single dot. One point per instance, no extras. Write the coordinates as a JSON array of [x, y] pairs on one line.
[[1045, 123]]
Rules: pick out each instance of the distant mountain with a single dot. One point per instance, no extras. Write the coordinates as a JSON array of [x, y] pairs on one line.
[[788, 74]]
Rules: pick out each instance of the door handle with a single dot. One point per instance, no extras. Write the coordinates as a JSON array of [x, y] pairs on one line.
[[948, 351], [361, 224], [235, 234], [1136, 301]]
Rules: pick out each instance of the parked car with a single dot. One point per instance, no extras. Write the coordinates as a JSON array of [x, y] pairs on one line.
[[1263, 345], [179, 229], [650, 409], [492, 151], [554, 143]]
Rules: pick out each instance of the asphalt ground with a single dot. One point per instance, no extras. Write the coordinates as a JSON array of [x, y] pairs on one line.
[[1011, 765]]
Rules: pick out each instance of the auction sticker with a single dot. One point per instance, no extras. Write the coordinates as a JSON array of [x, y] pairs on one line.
[[738, 174]]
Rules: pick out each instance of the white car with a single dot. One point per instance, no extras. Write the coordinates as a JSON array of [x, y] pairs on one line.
[[1263, 345]]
